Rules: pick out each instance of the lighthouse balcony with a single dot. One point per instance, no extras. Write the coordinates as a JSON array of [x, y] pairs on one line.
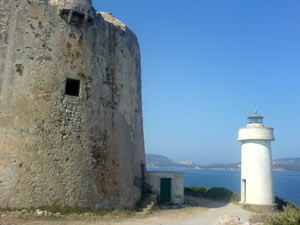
[[256, 133]]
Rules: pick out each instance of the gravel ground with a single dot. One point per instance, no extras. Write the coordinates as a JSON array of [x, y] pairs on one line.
[[196, 212]]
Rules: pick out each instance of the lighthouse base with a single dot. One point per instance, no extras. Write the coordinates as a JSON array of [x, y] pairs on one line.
[[259, 208]]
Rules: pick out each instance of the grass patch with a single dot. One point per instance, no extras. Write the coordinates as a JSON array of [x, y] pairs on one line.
[[216, 193], [75, 210]]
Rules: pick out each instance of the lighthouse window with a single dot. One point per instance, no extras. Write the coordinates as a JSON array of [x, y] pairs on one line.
[[255, 120], [72, 87]]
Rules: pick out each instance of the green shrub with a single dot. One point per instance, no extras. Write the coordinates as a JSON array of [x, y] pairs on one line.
[[216, 193], [195, 191], [222, 194], [282, 203], [289, 216]]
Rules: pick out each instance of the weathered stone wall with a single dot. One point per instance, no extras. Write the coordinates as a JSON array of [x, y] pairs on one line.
[[76, 5], [4, 27], [63, 150]]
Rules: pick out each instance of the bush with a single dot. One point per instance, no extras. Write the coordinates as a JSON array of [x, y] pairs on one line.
[[289, 216], [282, 203], [196, 191], [222, 194], [216, 193]]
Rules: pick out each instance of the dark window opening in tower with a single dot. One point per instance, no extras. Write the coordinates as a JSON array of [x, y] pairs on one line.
[[72, 87]]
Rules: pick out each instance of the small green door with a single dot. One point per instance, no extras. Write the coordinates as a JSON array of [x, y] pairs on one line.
[[165, 190]]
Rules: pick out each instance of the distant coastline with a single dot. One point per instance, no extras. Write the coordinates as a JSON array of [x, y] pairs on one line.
[[195, 168], [158, 161]]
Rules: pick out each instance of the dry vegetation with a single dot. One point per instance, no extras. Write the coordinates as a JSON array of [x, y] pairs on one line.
[[289, 216]]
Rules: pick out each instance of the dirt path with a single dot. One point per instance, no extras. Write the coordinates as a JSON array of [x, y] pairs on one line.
[[189, 216], [205, 213]]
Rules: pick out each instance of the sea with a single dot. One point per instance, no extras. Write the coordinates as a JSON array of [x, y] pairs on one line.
[[286, 183]]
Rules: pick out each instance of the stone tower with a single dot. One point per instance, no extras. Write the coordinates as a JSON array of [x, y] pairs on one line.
[[70, 107], [256, 164]]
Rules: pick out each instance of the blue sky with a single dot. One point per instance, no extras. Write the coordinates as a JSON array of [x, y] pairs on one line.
[[207, 64]]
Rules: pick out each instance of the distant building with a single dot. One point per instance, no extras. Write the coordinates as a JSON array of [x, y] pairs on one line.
[[186, 162], [256, 164]]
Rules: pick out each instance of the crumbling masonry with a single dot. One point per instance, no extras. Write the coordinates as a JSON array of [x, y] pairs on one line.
[[71, 131]]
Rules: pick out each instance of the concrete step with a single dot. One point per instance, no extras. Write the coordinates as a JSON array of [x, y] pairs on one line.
[[149, 204]]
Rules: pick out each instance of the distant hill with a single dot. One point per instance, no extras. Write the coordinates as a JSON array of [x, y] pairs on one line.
[[292, 164], [159, 161], [224, 166]]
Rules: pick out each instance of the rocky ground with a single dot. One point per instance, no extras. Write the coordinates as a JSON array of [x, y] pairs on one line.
[[195, 212]]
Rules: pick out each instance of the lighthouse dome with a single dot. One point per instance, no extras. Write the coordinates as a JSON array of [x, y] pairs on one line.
[[255, 129], [255, 118]]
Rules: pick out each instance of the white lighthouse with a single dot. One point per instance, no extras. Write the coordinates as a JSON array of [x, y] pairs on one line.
[[256, 165]]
